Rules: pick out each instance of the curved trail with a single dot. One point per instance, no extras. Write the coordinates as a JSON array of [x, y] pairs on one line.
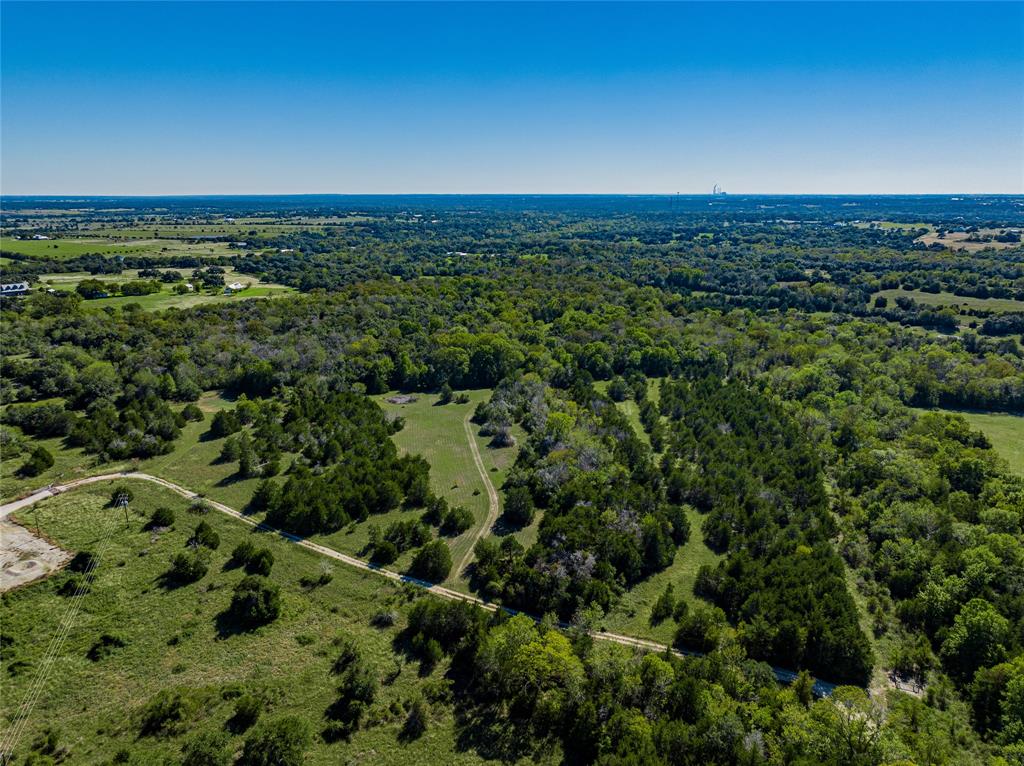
[[494, 507], [821, 688]]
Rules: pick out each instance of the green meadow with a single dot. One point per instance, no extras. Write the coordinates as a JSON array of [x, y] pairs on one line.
[[948, 299], [72, 247], [438, 432], [179, 639], [1006, 432]]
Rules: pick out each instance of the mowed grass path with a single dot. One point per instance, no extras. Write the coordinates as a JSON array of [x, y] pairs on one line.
[[437, 432], [174, 640]]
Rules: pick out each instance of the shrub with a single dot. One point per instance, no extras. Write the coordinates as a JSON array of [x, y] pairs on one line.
[[193, 413], [248, 708], [519, 506], [39, 460], [189, 567], [664, 606], [104, 647], [457, 521], [229, 451], [280, 743], [165, 714], [437, 509], [385, 552], [256, 601], [162, 518], [242, 553], [433, 562], [260, 563], [207, 749], [417, 720], [205, 536], [224, 423]]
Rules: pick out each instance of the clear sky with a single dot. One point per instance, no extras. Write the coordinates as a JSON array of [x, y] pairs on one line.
[[206, 98]]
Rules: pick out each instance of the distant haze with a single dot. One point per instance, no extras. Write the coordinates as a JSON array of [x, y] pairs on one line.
[[239, 98]]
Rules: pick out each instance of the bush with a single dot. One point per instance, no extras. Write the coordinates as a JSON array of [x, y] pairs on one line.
[[260, 563], [165, 714], [104, 647], [256, 601], [664, 606], [280, 743], [224, 423], [519, 506], [39, 460], [189, 567], [457, 521], [385, 552], [162, 518], [205, 536], [417, 720], [433, 562], [437, 509], [207, 749], [248, 708], [193, 413], [242, 553]]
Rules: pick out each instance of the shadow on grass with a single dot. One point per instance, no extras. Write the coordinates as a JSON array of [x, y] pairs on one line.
[[228, 625]]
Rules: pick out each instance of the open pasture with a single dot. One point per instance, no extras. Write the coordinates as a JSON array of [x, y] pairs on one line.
[[177, 638]]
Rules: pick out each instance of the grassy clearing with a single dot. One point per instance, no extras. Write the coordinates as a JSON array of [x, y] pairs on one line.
[[948, 299], [631, 615], [166, 298], [960, 240], [72, 247], [175, 640], [437, 432], [1005, 431], [631, 409]]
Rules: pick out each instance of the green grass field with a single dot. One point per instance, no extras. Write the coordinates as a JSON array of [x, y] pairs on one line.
[[438, 433], [1006, 432], [72, 247], [631, 615], [166, 298], [948, 299], [175, 639]]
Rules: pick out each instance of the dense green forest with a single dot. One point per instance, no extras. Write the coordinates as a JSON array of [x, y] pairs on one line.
[[863, 532]]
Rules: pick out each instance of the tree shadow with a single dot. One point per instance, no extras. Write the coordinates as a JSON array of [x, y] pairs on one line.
[[493, 736], [233, 478], [228, 625]]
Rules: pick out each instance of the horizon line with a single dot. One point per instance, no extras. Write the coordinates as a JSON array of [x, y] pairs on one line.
[[214, 195]]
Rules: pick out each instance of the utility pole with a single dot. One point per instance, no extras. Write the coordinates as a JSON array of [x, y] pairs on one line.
[[122, 502]]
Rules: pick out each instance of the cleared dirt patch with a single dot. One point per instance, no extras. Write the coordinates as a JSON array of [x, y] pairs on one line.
[[25, 557]]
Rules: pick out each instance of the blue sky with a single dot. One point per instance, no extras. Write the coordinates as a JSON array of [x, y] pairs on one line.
[[205, 98]]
